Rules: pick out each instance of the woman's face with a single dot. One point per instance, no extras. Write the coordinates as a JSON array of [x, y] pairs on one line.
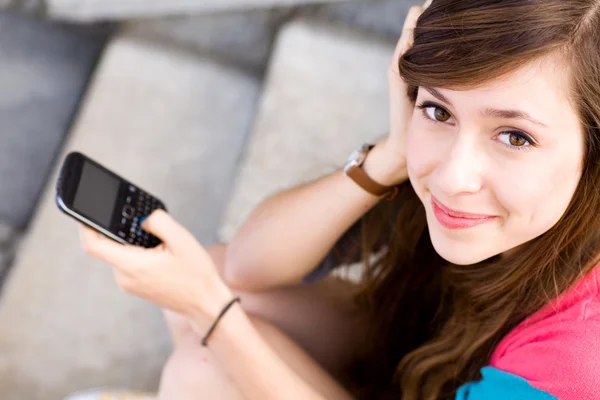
[[517, 175]]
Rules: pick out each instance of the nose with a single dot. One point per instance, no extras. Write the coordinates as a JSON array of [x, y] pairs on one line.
[[461, 169]]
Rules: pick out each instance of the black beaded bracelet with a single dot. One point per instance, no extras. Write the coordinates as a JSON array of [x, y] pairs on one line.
[[214, 325]]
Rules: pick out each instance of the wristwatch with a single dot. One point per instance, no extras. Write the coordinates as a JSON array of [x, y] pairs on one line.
[[353, 169]]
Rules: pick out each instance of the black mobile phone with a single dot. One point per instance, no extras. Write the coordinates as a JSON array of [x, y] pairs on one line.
[[104, 201]]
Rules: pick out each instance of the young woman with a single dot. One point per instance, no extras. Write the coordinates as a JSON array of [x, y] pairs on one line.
[[480, 278]]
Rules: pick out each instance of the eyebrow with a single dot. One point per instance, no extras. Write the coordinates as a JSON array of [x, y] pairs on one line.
[[492, 112]]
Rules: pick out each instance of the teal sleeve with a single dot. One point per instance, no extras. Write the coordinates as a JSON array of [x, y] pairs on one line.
[[500, 385]]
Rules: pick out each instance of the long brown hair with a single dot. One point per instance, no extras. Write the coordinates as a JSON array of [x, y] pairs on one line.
[[435, 324]]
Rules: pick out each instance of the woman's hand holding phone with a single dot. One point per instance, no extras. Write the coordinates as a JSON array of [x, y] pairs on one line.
[[393, 148], [178, 275]]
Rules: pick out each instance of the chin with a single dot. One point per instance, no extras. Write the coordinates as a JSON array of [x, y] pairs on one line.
[[459, 253], [460, 259]]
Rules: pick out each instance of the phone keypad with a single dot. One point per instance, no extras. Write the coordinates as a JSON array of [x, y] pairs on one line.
[[131, 231]]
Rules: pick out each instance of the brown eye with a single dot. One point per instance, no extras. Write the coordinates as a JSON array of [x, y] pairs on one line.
[[434, 113], [517, 140], [441, 115]]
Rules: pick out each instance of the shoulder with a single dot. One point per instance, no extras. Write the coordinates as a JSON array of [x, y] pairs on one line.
[[553, 354], [560, 357], [557, 349], [561, 361]]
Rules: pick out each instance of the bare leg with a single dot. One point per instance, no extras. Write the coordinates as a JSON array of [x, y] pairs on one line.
[[192, 372], [319, 317]]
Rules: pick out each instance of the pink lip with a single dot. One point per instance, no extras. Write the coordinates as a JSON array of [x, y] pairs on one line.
[[457, 220]]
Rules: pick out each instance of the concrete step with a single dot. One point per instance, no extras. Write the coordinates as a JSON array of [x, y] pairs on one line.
[[245, 37], [173, 123], [27, 6], [241, 37], [88, 10], [325, 94], [44, 72], [9, 241], [382, 17]]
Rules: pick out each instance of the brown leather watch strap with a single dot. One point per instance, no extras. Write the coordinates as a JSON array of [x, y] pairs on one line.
[[359, 176]]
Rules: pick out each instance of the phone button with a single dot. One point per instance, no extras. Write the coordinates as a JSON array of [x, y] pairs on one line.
[[122, 234], [128, 211]]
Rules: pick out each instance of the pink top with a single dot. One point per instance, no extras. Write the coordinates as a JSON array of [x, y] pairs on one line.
[[557, 349]]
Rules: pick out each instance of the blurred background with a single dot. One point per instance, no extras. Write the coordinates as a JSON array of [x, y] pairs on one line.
[[211, 105]]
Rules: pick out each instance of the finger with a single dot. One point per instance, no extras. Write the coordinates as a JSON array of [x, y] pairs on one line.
[[407, 37], [427, 4], [88, 235], [85, 232], [109, 251], [410, 23], [166, 228], [123, 280], [411, 18]]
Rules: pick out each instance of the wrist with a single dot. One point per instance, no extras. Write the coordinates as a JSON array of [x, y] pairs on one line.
[[214, 325], [208, 306], [383, 167], [231, 323]]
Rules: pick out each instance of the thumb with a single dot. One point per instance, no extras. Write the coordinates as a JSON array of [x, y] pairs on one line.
[[172, 233]]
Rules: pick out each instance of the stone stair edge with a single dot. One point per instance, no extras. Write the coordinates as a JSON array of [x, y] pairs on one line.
[[335, 28], [72, 10], [156, 40]]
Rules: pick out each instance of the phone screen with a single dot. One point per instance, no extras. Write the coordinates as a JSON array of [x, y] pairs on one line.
[[96, 194], [100, 198]]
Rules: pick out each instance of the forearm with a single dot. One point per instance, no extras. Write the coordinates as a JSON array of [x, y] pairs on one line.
[[260, 372], [289, 233]]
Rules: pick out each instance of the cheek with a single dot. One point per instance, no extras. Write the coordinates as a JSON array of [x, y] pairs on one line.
[[423, 153], [414, 158], [536, 207]]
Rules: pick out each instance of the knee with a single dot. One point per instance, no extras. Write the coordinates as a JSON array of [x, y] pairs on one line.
[[254, 303], [191, 355], [260, 305], [192, 372], [187, 358], [218, 254]]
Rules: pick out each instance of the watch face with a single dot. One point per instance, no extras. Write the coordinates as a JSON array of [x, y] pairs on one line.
[[366, 147], [354, 156]]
